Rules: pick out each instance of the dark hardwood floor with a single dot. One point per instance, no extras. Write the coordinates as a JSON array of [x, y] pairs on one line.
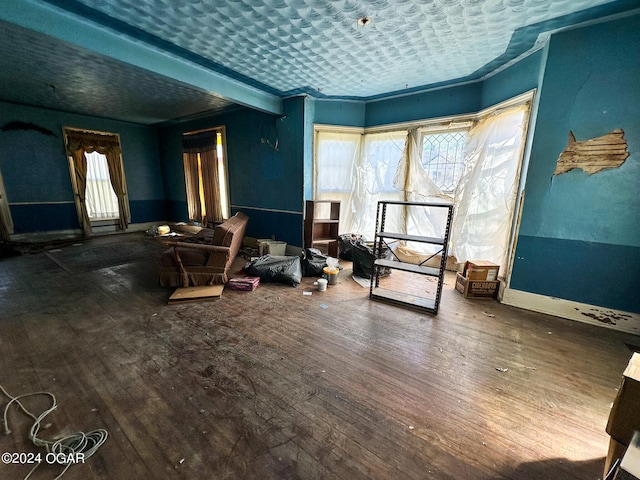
[[274, 384]]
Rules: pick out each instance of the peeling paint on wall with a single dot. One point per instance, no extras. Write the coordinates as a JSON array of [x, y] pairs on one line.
[[594, 155]]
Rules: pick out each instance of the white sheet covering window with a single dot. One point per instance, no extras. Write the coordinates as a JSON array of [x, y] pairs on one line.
[[335, 168], [101, 200], [358, 170], [417, 186], [486, 195], [361, 169], [376, 171]]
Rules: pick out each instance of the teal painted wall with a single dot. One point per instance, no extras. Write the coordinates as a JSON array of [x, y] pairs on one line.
[[580, 234], [432, 104], [36, 172], [309, 115], [512, 81], [265, 158], [347, 113]]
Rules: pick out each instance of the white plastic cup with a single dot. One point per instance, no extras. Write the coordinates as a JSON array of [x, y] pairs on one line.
[[322, 284]]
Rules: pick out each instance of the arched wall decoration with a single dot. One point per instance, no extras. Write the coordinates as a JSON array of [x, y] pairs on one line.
[[18, 125]]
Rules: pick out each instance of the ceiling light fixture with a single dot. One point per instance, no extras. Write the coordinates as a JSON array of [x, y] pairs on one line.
[[364, 21]]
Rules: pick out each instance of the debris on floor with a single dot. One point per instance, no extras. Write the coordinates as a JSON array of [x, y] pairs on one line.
[[245, 283], [196, 294]]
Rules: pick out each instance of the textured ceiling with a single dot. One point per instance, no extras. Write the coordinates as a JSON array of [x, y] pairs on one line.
[[281, 47], [59, 76], [297, 46]]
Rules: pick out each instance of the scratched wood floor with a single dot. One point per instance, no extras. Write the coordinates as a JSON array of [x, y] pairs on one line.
[[273, 384]]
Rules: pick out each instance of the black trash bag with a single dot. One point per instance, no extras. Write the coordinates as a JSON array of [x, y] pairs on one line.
[[276, 269], [363, 260], [345, 245], [313, 261]]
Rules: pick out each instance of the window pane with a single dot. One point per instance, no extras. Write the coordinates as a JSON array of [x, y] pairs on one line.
[[334, 162], [101, 200], [382, 156], [443, 158], [222, 176]]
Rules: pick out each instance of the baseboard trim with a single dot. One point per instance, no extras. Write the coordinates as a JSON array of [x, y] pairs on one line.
[[131, 228], [44, 236], [580, 312], [96, 231]]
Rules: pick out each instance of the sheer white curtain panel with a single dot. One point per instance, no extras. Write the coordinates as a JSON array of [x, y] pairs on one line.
[[336, 172], [413, 180], [101, 199], [486, 195], [375, 173], [361, 169]]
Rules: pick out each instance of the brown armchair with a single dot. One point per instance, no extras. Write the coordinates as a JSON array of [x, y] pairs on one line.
[[207, 258]]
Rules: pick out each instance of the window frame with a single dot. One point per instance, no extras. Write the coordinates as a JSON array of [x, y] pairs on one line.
[[106, 220], [466, 121], [444, 131], [102, 224], [221, 152]]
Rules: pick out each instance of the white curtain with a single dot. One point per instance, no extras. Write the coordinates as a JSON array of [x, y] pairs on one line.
[[335, 172], [101, 199], [358, 170], [485, 198], [413, 180], [375, 171]]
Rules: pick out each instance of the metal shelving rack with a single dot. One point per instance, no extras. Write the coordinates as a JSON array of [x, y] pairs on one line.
[[384, 238]]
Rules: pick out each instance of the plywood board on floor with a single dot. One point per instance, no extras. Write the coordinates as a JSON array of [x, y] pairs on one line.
[[196, 294]]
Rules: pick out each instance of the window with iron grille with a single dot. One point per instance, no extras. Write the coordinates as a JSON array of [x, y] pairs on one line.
[[443, 158]]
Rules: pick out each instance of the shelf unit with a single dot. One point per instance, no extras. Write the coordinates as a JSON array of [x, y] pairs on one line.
[[429, 303], [321, 221]]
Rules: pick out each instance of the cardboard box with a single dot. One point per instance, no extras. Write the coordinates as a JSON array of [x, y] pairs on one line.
[[630, 465], [481, 270], [271, 247], [477, 288], [277, 248], [244, 282], [612, 460], [624, 418]]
